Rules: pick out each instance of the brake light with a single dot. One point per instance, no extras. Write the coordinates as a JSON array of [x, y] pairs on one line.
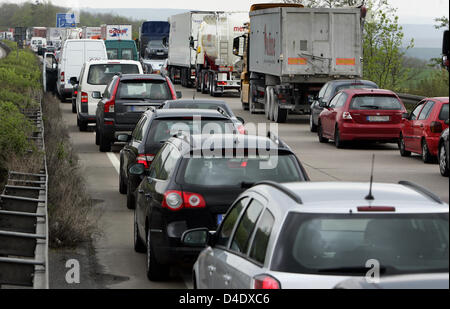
[[145, 159], [176, 200], [436, 127], [84, 97], [347, 116], [75, 92], [172, 91], [62, 77], [221, 83], [265, 282], [376, 208], [241, 129], [109, 105]]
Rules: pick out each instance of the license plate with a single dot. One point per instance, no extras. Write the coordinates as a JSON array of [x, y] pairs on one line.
[[378, 118], [219, 219], [160, 54], [138, 108]]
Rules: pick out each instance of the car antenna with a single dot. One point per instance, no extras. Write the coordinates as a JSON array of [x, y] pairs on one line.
[[370, 197]]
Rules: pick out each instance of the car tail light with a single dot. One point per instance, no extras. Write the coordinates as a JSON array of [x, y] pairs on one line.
[[84, 97], [62, 77], [436, 127], [221, 83], [266, 282], [172, 91], [241, 129], [145, 159], [376, 208], [109, 105], [176, 200], [75, 92], [347, 116]]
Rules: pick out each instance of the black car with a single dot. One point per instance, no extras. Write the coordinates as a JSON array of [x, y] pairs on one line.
[[328, 91], [206, 104], [153, 129], [125, 98], [193, 181], [156, 49], [443, 152]]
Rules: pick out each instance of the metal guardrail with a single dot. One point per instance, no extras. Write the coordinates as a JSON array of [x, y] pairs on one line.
[[410, 99], [24, 222]]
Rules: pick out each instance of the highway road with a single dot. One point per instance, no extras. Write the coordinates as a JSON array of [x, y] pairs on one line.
[[114, 248]]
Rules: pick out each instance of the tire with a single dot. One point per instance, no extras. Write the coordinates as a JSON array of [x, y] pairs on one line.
[[426, 155], [74, 107], [82, 125], [337, 139], [271, 105], [131, 200], [139, 245], [279, 114], [320, 134], [155, 271], [443, 164], [245, 106], [97, 136], [267, 103], [205, 83], [312, 126], [401, 147], [122, 183], [104, 143], [251, 105]]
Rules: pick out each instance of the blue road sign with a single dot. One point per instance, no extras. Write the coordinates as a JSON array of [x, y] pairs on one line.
[[65, 20]]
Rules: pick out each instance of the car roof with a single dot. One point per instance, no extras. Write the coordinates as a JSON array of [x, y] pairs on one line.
[[200, 101], [362, 91], [185, 112], [142, 76], [110, 61], [441, 99], [338, 82], [345, 197]]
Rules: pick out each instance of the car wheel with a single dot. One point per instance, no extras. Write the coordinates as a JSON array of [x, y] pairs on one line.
[[122, 183], [402, 147], [337, 139], [320, 134], [426, 155], [97, 136], [104, 143], [82, 125], [130, 196], [74, 107], [443, 164], [312, 126], [155, 270], [139, 245]]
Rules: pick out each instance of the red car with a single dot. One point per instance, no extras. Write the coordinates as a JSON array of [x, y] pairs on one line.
[[361, 114], [423, 127]]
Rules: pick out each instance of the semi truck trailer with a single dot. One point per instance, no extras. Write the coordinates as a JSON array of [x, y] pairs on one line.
[[290, 52]]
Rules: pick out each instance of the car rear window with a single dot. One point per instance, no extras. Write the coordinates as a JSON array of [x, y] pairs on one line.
[[443, 115], [375, 102], [355, 86], [223, 171], [144, 89], [193, 105], [163, 129], [127, 54], [342, 244], [112, 53], [101, 74]]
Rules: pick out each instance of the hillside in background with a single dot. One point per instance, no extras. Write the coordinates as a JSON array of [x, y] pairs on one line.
[[140, 14]]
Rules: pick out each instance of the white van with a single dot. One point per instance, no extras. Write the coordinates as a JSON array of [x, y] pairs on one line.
[[94, 77], [74, 54], [36, 42]]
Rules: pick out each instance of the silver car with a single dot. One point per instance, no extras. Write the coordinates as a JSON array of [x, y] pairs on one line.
[[316, 235]]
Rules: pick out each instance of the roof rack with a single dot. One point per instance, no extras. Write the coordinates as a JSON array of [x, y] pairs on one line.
[[421, 190], [282, 188]]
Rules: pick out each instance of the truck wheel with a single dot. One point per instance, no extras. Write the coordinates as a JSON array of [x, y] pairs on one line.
[[280, 115], [198, 79], [267, 103], [205, 82], [272, 105]]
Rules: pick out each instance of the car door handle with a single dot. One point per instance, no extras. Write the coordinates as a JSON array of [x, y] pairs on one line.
[[148, 195], [211, 270], [227, 279]]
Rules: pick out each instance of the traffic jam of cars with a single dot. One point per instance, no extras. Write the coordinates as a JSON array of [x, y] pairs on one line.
[[239, 207]]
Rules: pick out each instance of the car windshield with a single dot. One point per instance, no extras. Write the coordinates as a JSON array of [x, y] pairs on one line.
[[127, 54], [144, 90], [112, 53], [193, 105], [342, 244], [101, 74], [223, 171], [163, 129], [377, 102], [156, 44], [443, 115]]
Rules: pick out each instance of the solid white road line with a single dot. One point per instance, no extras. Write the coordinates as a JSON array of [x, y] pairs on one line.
[[114, 161]]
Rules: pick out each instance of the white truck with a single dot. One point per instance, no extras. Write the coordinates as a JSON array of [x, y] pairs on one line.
[[91, 33], [116, 32], [183, 46], [217, 68], [290, 52]]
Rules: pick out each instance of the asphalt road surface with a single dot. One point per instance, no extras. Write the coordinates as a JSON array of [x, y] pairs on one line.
[[114, 248]]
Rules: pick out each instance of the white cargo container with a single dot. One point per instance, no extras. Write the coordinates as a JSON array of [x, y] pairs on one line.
[[293, 51], [91, 33], [117, 32], [218, 69], [183, 45]]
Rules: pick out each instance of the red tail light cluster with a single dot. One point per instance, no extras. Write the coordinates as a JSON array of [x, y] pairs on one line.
[[221, 83], [177, 200], [84, 97], [62, 77], [347, 116], [241, 129], [109, 105], [266, 282], [145, 159], [436, 127]]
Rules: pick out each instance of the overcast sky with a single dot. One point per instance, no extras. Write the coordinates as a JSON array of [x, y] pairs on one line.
[[409, 11]]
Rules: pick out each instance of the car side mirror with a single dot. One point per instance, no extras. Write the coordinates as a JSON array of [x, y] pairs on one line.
[[54, 66], [405, 116], [179, 94], [96, 95], [323, 103], [137, 169], [191, 42], [240, 119], [73, 81], [123, 138], [196, 237]]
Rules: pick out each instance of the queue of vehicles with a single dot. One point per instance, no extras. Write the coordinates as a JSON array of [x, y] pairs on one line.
[[253, 219]]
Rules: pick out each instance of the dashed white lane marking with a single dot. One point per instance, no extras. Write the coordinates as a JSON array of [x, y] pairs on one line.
[[114, 161]]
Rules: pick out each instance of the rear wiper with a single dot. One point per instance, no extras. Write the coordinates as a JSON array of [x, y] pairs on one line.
[[371, 106], [350, 270]]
